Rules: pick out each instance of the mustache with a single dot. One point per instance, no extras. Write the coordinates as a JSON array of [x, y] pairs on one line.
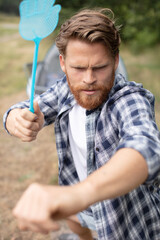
[[91, 87]]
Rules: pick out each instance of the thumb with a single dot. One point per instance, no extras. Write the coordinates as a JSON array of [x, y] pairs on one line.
[[36, 107], [39, 114]]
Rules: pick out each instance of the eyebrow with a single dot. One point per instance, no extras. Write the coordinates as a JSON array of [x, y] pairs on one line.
[[93, 67]]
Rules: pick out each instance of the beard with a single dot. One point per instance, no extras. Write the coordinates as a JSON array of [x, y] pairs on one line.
[[95, 100]]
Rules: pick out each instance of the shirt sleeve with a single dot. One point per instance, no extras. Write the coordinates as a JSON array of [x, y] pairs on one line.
[[138, 130]]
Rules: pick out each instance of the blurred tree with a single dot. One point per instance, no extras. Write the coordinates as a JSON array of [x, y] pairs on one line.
[[141, 23], [9, 6], [140, 19]]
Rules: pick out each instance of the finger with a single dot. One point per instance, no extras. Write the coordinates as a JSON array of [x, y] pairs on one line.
[[26, 124], [37, 229], [27, 139], [29, 120], [22, 226], [36, 224], [37, 108], [27, 226], [44, 227], [52, 225], [28, 115], [39, 114], [25, 134]]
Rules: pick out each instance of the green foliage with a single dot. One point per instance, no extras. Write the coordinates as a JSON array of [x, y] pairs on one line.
[[141, 24], [9, 6]]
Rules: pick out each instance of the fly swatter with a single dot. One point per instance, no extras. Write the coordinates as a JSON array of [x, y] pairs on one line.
[[38, 19]]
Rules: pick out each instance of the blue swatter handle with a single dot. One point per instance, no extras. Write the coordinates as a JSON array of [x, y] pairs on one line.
[[34, 67]]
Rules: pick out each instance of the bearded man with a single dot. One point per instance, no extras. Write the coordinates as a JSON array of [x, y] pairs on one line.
[[107, 141]]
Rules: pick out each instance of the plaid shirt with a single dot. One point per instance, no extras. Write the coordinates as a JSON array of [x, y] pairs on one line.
[[125, 120]]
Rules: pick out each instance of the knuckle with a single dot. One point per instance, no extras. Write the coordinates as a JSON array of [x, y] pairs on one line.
[[24, 112], [27, 139], [34, 185], [31, 134], [15, 213], [36, 220], [17, 122], [22, 227], [28, 133], [16, 132], [29, 125], [23, 139]]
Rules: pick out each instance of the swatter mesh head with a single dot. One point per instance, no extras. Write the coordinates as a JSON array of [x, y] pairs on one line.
[[38, 18]]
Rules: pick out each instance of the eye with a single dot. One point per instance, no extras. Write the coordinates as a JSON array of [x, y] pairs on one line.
[[99, 68], [79, 68]]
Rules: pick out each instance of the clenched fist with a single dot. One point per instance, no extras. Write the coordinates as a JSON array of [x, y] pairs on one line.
[[24, 124]]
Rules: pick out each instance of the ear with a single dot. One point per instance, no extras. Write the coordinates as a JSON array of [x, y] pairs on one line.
[[116, 61], [62, 63]]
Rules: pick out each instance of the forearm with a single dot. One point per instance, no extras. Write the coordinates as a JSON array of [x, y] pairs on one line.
[[125, 171]]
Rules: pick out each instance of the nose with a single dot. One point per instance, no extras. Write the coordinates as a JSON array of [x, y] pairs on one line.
[[89, 77]]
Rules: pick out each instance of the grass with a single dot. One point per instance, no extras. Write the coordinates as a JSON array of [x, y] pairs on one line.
[[15, 52], [4, 31], [145, 68], [5, 18]]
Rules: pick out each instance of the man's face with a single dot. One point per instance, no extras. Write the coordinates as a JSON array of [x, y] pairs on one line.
[[90, 71]]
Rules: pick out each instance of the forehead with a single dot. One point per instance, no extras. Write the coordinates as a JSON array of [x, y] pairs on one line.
[[78, 50]]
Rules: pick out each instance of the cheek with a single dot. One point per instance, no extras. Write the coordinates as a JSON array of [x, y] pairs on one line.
[[104, 76], [72, 79], [107, 78]]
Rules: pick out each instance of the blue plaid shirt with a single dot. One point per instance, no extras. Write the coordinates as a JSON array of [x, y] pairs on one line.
[[125, 120]]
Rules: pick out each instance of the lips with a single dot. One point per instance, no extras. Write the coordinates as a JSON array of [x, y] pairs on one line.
[[89, 92]]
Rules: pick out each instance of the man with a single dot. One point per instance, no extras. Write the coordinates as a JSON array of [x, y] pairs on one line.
[[107, 141]]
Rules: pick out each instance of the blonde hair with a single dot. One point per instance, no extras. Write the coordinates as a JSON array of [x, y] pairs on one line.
[[91, 26]]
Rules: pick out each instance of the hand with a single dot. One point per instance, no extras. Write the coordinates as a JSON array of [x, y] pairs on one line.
[[33, 210], [24, 124], [41, 206]]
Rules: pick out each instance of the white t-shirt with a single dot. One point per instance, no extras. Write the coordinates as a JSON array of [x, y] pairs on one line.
[[77, 139]]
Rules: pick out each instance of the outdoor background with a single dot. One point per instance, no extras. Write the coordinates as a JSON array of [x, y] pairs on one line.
[[24, 163]]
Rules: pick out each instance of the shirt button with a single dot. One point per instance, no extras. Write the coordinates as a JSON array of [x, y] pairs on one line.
[[57, 124], [97, 149]]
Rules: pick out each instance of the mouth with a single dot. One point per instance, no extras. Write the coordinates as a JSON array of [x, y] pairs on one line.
[[89, 92]]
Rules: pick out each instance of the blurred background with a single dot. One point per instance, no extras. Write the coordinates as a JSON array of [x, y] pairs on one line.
[[24, 163]]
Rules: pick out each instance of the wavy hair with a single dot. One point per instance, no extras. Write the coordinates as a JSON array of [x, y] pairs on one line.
[[96, 25]]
